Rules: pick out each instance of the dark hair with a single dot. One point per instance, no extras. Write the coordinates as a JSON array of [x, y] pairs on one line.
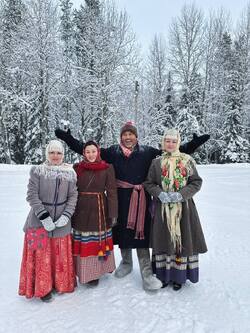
[[90, 143]]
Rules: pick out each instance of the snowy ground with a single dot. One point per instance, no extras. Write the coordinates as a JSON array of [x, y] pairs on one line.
[[220, 302]]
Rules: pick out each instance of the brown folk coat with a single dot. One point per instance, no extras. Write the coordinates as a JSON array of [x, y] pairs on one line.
[[86, 216], [193, 241]]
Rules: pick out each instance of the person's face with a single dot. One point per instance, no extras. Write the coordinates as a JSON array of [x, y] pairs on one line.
[[170, 145], [91, 153], [55, 157], [128, 139]]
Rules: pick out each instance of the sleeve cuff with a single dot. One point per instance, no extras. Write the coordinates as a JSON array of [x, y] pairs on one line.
[[43, 215], [67, 214]]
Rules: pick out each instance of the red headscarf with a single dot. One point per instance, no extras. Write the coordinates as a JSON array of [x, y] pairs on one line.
[[85, 164]]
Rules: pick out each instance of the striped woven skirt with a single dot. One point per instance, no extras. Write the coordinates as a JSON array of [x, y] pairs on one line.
[[93, 254], [46, 268], [172, 269]]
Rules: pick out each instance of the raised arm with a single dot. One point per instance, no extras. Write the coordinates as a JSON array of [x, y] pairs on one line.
[[191, 146], [77, 145], [188, 147], [73, 144]]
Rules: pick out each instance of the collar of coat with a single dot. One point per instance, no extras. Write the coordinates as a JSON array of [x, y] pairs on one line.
[[134, 151], [63, 171]]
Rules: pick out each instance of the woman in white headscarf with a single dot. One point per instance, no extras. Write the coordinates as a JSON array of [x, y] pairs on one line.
[[47, 261], [177, 236]]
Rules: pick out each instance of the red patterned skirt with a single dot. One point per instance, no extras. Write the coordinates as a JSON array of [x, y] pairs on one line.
[[93, 255], [46, 268]]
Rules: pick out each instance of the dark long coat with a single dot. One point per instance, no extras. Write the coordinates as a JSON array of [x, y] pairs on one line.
[[193, 241], [133, 170], [86, 216]]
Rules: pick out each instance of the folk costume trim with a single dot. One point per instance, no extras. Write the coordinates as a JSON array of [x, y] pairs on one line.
[[103, 253]]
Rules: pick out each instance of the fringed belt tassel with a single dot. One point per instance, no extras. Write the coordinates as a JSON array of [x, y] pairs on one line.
[[135, 210]]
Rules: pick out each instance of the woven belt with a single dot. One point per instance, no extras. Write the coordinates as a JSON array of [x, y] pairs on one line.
[[54, 204]]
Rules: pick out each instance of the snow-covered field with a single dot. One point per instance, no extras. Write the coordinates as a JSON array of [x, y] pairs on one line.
[[220, 302]]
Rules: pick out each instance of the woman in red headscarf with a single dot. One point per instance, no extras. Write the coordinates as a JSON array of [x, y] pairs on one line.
[[96, 211]]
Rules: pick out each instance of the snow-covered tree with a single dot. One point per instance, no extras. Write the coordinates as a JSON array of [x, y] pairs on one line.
[[186, 42], [12, 119], [104, 60], [41, 50], [66, 33], [156, 87], [236, 147]]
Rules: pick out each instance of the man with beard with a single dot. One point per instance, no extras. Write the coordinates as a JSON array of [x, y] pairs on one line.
[[131, 162]]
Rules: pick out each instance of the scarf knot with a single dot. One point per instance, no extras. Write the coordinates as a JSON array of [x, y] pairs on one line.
[[138, 187]]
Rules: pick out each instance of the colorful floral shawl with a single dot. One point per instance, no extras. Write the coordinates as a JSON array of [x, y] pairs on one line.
[[175, 169]]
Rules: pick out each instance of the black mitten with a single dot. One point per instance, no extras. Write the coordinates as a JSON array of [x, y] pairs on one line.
[[74, 144], [191, 146], [199, 140], [61, 134]]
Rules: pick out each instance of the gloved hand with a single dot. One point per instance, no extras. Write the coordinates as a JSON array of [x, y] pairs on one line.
[[62, 221], [48, 223], [175, 197], [199, 140], [61, 134], [114, 221], [164, 197]]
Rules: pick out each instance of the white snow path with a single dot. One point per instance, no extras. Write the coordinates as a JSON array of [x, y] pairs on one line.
[[220, 302]]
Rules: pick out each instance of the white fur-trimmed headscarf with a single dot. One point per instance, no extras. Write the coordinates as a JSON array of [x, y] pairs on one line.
[[64, 170], [172, 133], [54, 145]]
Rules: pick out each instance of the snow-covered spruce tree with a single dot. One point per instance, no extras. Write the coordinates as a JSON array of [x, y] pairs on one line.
[[243, 40], [187, 124], [42, 53], [12, 115], [236, 147], [65, 94], [87, 21], [66, 33], [170, 108]]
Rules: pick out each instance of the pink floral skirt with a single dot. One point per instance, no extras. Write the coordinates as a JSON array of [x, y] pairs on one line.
[[47, 268]]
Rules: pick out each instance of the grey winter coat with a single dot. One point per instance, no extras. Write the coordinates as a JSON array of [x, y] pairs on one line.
[[193, 241], [51, 189]]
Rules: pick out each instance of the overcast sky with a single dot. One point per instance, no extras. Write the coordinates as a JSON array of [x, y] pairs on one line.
[[154, 16]]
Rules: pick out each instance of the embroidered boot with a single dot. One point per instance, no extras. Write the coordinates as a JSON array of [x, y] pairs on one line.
[[126, 265], [150, 282]]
